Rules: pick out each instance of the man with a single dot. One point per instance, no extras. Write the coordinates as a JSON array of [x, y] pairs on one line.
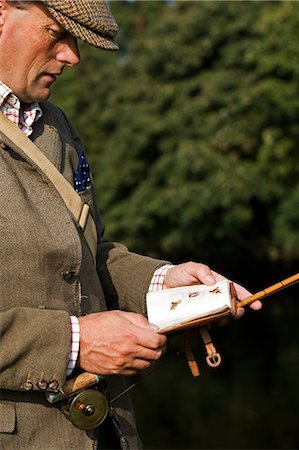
[[58, 309]]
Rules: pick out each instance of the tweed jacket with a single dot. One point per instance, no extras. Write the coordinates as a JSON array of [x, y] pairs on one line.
[[46, 275]]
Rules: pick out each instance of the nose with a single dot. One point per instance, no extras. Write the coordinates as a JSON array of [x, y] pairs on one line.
[[68, 52]]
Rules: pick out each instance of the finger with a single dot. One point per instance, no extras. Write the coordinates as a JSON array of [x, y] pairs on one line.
[[141, 364], [205, 274], [148, 355], [139, 359], [241, 292], [256, 305], [137, 366], [151, 340], [138, 363], [239, 312], [218, 276]]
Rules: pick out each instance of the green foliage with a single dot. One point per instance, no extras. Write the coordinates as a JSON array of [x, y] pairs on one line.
[[192, 131], [192, 128]]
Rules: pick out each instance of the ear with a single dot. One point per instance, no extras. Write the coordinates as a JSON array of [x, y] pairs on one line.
[[3, 11]]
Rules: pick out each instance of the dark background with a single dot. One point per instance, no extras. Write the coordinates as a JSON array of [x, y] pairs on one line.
[[192, 132]]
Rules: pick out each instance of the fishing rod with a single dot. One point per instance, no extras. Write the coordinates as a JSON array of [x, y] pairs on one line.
[[87, 407], [269, 290]]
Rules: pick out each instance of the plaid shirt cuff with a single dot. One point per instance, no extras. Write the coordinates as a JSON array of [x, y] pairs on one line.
[[158, 278], [75, 339]]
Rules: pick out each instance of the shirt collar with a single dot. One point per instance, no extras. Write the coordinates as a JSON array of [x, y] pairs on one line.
[[21, 114]]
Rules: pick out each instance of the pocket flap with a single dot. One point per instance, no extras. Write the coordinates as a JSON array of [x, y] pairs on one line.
[[7, 418]]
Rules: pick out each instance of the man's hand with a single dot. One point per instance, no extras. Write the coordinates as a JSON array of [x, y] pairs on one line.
[[190, 273], [118, 343]]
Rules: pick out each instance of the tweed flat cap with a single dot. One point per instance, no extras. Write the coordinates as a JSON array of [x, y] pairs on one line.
[[89, 20]]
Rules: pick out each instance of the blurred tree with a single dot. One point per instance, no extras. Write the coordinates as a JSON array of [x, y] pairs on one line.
[[192, 131]]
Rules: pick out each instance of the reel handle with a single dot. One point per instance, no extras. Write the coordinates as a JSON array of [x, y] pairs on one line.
[[74, 385]]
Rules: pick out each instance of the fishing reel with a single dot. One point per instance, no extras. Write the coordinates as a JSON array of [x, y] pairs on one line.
[[85, 406], [86, 410]]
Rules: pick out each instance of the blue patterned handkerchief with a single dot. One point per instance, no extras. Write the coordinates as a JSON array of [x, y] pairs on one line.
[[82, 179]]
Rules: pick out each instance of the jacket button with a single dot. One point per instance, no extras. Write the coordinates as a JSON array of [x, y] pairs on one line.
[[28, 385], [53, 385], [42, 385], [69, 275]]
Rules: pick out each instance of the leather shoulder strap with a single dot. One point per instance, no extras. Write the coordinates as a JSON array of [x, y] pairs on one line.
[[13, 137]]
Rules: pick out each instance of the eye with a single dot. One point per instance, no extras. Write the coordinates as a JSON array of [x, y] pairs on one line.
[[56, 34]]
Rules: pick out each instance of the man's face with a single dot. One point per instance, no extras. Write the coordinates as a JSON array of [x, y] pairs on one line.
[[34, 49]]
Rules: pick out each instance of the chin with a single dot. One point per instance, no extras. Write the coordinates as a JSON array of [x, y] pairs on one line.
[[43, 96], [40, 95]]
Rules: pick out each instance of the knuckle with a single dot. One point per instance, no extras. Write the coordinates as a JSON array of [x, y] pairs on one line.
[[160, 339], [118, 363], [156, 344], [202, 266], [191, 264], [162, 342], [125, 347]]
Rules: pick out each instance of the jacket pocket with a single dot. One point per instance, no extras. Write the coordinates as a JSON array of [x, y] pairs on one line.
[[7, 418]]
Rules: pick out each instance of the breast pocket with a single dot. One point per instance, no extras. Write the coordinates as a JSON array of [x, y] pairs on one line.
[[82, 180]]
